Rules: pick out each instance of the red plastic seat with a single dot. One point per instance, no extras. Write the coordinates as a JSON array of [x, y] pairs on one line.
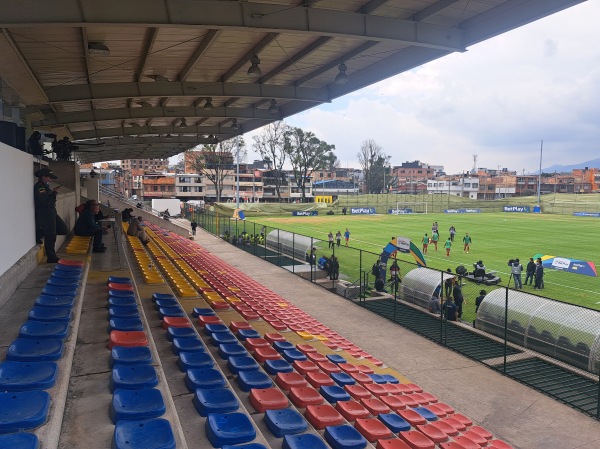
[[361, 378], [220, 305], [395, 403], [475, 437], [499, 444], [235, 326], [376, 389], [420, 399], [415, 388], [438, 411], [375, 361], [249, 315], [429, 397], [357, 391], [482, 432], [321, 416], [123, 338], [175, 321], [267, 399], [404, 388], [71, 263], [462, 419], [316, 357], [318, 379], [252, 343], [208, 319], [352, 410], [289, 380], [445, 407], [273, 336], [433, 433], [265, 353], [451, 445], [394, 443], [365, 369], [277, 325], [372, 429], [454, 423], [444, 427], [408, 400], [122, 287], [348, 368], [303, 366], [466, 442], [329, 367], [375, 406], [303, 396], [305, 348], [413, 418], [416, 440], [331, 345]]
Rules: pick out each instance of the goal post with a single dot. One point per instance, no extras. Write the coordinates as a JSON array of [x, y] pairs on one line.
[[412, 207]]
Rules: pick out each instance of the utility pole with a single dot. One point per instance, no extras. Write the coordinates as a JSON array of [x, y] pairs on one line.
[[540, 173]]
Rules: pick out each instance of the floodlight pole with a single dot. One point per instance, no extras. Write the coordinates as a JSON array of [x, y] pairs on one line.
[[237, 172], [540, 173]]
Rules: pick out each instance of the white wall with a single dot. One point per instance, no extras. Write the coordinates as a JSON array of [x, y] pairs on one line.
[[17, 219]]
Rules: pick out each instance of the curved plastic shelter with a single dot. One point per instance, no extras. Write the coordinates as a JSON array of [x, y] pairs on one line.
[[290, 244], [564, 331], [419, 284]]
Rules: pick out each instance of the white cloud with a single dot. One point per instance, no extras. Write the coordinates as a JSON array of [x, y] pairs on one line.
[[497, 100]]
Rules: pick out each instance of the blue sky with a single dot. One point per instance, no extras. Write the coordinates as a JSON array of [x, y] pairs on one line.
[[498, 100]]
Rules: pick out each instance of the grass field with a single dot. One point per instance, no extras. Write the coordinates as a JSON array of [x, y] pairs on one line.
[[497, 237]]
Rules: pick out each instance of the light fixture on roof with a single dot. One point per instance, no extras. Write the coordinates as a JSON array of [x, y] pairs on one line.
[[273, 109], [158, 77], [134, 125], [341, 78], [183, 123], [254, 70], [98, 48], [168, 136], [208, 106], [143, 103], [211, 137], [234, 125]]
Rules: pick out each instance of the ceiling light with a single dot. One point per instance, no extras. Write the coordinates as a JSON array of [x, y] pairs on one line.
[[341, 77], [211, 136], [208, 106], [168, 136], [234, 125], [98, 48], [254, 70], [158, 77], [183, 123], [273, 109]]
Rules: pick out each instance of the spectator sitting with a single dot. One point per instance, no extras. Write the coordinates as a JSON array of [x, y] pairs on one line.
[[380, 285], [479, 299], [479, 270], [136, 229], [86, 226], [434, 304], [126, 215], [322, 263]]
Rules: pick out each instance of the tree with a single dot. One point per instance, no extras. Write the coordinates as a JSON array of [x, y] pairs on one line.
[[216, 161], [270, 144], [375, 165], [307, 153]]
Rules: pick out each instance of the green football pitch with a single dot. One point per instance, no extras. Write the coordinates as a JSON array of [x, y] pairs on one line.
[[497, 237]]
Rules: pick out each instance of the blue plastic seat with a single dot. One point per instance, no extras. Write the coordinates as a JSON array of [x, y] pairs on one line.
[[215, 400], [54, 301], [248, 333], [286, 421], [247, 380], [292, 355], [59, 290], [35, 350], [131, 355], [242, 363], [391, 379], [229, 428], [20, 376], [190, 360], [281, 346], [245, 446], [156, 296], [23, 410], [222, 337], [66, 274], [394, 422], [180, 345], [144, 403], [181, 332], [227, 350], [145, 434], [118, 280], [19, 441], [165, 303], [44, 329], [378, 378], [131, 377], [426, 413], [122, 302], [125, 324], [202, 311], [171, 311], [39, 313], [303, 441], [63, 282], [62, 267], [204, 378], [344, 437], [334, 393], [342, 379], [277, 366], [210, 329], [123, 312], [121, 294], [336, 358]]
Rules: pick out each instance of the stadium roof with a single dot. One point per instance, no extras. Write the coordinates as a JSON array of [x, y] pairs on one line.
[[152, 78]]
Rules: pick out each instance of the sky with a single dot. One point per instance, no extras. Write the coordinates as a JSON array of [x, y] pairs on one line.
[[498, 100]]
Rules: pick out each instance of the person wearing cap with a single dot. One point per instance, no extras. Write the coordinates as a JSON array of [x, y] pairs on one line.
[[46, 217], [87, 226]]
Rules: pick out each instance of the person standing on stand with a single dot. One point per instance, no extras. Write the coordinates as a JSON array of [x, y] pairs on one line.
[[194, 225], [530, 272], [459, 299], [46, 218], [516, 269], [539, 275]]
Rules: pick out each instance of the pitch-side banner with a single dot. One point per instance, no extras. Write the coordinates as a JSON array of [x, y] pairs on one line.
[[525, 209], [362, 210], [305, 213], [570, 265], [400, 211], [462, 211]]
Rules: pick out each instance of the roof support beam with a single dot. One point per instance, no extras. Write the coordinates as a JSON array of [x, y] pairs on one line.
[[155, 130], [433, 9], [209, 38]]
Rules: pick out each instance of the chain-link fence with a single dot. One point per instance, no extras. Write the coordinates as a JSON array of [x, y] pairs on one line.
[[549, 345]]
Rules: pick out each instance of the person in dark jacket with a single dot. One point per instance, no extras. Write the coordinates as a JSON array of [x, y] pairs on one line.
[[86, 225], [459, 299], [449, 309], [126, 215], [380, 285], [530, 271], [539, 275], [479, 299], [47, 221]]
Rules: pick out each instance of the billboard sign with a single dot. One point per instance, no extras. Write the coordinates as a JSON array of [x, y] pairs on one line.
[[362, 210], [525, 209]]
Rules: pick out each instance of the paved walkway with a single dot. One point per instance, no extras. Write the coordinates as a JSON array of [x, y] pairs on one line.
[[513, 412]]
